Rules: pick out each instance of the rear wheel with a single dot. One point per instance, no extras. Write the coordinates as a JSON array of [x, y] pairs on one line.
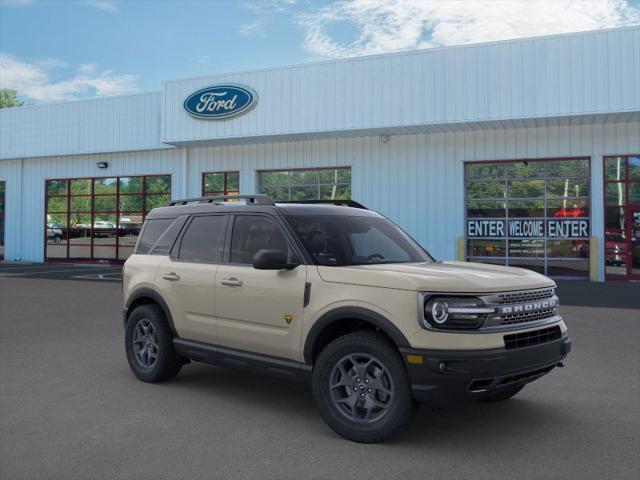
[[503, 394], [149, 345], [361, 387]]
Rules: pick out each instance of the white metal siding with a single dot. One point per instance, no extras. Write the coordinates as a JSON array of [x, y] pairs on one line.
[[90, 126], [25, 206], [11, 174], [416, 180], [547, 77]]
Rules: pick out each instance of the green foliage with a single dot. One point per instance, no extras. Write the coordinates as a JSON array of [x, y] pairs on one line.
[[8, 98]]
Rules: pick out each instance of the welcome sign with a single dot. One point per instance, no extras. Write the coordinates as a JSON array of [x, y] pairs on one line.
[[219, 102], [528, 228]]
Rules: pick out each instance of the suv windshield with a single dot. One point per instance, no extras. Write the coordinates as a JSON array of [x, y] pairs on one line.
[[343, 241]]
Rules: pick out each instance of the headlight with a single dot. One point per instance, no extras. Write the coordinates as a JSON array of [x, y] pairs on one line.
[[455, 312]]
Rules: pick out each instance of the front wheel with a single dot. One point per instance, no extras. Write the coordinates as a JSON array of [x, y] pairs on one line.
[[149, 345], [361, 387]]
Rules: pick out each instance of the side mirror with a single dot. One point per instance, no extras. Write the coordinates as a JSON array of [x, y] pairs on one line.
[[272, 260]]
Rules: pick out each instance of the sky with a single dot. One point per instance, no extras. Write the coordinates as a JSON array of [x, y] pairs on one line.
[[59, 50]]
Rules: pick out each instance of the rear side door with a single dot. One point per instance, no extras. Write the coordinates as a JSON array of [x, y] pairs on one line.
[[187, 277], [259, 310]]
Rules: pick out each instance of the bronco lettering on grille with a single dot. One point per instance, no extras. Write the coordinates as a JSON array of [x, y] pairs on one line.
[[527, 307]]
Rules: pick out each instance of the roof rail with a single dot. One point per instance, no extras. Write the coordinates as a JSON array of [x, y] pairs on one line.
[[249, 200], [341, 203]]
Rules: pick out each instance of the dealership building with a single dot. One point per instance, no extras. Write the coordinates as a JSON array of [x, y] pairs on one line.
[[522, 152]]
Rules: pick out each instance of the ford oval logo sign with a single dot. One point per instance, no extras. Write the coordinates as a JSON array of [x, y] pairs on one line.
[[220, 101]]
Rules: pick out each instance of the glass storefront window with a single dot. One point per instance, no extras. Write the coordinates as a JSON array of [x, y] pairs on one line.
[[568, 248], [486, 171], [615, 168], [531, 213], [526, 208], [220, 183], [615, 193], [535, 265], [105, 186], [525, 169], [80, 187], [568, 168], [2, 214], [157, 184], [309, 184], [57, 204], [80, 204], [633, 168], [486, 189], [526, 248], [100, 218], [622, 217], [130, 185], [57, 187], [525, 188], [574, 207], [634, 193], [485, 209], [568, 188], [486, 248]]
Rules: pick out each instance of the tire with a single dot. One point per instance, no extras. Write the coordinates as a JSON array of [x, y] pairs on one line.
[[147, 328], [503, 394], [369, 409]]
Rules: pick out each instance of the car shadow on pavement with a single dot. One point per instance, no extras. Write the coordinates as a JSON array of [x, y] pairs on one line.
[[466, 425]]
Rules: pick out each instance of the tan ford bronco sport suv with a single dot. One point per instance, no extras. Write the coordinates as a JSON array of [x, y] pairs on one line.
[[337, 295]]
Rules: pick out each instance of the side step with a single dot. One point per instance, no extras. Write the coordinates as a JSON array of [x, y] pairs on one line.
[[227, 357]]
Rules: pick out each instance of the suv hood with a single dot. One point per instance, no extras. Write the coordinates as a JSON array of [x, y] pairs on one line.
[[456, 277]]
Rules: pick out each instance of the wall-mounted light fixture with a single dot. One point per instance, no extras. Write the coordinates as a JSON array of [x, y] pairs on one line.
[[102, 164], [384, 138]]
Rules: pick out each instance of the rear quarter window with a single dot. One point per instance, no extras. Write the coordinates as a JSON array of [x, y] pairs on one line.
[[151, 232]]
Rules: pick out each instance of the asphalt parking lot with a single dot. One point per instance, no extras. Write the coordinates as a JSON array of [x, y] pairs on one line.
[[71, 409]]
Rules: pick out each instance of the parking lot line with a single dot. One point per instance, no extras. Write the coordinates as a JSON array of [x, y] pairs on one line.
[[48, 271], [22, 267], [100, 276]]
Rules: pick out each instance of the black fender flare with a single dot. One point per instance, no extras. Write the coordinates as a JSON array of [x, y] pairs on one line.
[[157, 298], [351, 313]]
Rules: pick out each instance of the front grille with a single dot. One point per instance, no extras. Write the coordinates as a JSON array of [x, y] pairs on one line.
[[535, 337], [524, 317], [522, 296], [522, 306]]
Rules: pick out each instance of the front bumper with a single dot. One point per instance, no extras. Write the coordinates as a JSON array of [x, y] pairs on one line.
[[452, 376]]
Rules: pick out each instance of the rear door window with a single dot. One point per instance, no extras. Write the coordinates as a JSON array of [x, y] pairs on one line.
[[203, 241]]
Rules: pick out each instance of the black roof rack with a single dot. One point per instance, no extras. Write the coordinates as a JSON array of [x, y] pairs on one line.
[[249, 200], [342, 203]]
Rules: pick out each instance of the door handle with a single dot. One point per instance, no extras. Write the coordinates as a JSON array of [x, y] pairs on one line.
[[173, 276], [231, 282]]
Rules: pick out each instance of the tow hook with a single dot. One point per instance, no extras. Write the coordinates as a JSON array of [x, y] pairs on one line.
[[560, 364]]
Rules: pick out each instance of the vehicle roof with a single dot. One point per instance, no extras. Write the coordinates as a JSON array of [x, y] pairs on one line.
[[286, 209]]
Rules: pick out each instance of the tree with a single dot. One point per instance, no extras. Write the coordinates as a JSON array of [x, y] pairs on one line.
[[8, 98]]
